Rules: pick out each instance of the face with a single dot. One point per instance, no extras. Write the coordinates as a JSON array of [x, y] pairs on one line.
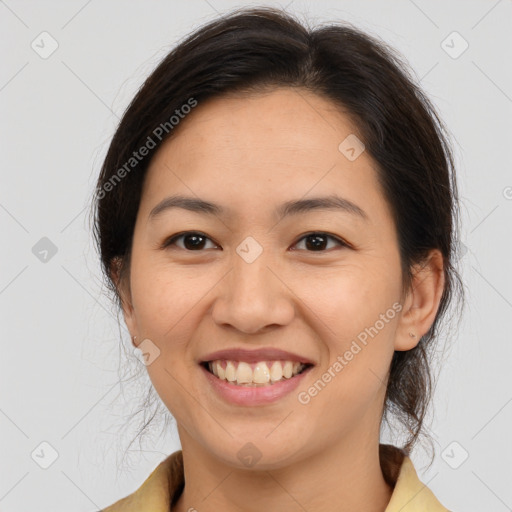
[[316, 285]]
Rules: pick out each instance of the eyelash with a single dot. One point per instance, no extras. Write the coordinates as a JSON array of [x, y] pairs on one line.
[[171, 240]]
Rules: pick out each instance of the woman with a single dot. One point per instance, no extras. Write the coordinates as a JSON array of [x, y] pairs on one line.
[[276, 215]]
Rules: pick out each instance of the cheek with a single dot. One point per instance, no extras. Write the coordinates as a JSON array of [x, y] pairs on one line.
[[164, 298], [166, 303], [351, 297], [356, 310]]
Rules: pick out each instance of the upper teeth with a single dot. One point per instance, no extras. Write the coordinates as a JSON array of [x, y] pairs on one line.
[[262, 372]]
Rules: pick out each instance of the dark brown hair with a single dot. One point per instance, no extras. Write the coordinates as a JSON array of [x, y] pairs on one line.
[[252, 50]]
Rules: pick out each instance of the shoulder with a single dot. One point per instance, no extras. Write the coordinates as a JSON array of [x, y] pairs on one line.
[[159, 489], [410, 494]]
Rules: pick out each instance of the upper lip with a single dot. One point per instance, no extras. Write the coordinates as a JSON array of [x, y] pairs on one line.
[[255, 356]]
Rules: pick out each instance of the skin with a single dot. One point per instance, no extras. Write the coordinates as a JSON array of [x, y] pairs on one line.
[[250, 154]]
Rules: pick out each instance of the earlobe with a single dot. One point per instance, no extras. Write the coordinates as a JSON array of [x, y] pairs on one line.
[[123, 291], [422, 301]]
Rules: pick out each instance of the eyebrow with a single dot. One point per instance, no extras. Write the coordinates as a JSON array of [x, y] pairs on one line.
[[294, 207]]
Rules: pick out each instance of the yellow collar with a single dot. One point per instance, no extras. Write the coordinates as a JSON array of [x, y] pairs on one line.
[[165, 484]]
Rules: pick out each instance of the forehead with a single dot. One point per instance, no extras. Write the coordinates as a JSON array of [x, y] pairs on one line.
[[284, 118], [262, 149]]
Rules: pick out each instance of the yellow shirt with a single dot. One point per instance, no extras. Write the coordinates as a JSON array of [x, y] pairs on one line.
[[165, 484]]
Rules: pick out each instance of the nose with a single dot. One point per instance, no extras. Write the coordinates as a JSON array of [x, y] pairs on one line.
[[253, 297]]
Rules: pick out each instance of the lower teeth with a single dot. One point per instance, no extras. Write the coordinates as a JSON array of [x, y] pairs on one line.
[[255, 384]]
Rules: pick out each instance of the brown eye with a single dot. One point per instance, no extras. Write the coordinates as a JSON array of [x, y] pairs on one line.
[[192, 241], [318, 241]]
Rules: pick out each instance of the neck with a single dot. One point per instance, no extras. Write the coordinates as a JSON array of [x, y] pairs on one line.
[[343, 478]]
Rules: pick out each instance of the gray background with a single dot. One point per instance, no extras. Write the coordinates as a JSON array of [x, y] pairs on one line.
[[60, 382]]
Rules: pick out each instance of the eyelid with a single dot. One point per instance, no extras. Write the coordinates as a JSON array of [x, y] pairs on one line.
[[336, 238], [172, 239]]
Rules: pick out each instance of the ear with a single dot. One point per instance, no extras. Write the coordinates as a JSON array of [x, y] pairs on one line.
[[422, 301], [122, 284]]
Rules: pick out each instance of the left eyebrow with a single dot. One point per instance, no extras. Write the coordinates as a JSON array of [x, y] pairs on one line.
[[294, 207], [332, 202]]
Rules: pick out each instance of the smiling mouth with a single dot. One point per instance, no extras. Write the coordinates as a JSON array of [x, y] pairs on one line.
[[260, 374]]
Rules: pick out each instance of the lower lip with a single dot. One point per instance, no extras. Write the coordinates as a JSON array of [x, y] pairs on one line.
[[260, 395]]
